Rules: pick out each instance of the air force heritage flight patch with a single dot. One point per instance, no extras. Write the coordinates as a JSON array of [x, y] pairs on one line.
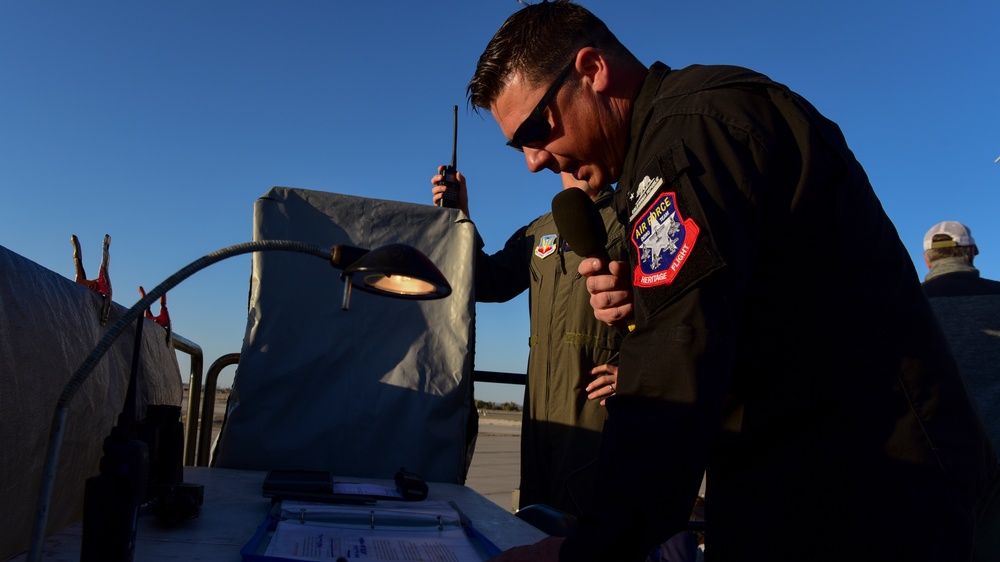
[[663, 240], [546, 246]]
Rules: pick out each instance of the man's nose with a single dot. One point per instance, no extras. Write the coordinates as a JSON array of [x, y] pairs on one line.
[[538, 160]]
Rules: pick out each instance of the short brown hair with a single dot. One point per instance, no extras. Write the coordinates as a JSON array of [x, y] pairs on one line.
[[537, 41], [934, 254]]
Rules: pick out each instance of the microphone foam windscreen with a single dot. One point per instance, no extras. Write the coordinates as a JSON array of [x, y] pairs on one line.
[[579, 222]]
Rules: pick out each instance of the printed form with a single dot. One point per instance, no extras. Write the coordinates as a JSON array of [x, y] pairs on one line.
[[391, 531]]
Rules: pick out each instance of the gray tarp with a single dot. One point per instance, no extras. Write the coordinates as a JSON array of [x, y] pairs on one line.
[[362, 392], [48, 326]]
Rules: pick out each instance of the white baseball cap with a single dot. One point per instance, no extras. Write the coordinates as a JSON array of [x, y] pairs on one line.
[[958, 234]]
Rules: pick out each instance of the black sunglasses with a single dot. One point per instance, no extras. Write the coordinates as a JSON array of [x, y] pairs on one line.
[[535, 129]]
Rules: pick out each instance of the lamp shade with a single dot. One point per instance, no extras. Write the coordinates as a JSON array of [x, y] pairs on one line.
[[398, 270]]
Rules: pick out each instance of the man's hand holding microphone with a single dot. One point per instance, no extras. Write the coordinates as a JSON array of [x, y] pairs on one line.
[[580, 224]]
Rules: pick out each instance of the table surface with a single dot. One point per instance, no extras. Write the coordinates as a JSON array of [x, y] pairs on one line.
[[234, 509]]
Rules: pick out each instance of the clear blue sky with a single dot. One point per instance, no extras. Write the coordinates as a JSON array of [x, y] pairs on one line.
[[160, 123]]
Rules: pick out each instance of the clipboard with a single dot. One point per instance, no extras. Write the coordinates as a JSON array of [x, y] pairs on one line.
[[293, 531]]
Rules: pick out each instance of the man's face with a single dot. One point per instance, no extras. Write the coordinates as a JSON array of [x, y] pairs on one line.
[[579, 142]]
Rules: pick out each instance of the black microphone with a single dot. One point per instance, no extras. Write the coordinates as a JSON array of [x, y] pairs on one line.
[[580, 224]]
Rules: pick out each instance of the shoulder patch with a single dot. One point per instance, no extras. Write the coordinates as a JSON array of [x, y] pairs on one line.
[[663, 240], [546, 246]]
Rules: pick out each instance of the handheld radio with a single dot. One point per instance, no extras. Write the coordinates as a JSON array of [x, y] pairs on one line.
[[449, 198]]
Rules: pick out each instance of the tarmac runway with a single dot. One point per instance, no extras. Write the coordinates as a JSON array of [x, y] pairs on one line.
[[495, 469]]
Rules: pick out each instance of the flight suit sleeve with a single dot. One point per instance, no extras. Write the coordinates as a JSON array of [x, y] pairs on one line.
[[506, 273]]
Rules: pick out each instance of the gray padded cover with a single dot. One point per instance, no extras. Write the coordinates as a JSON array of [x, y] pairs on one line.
[[48, 326], [362, 392]]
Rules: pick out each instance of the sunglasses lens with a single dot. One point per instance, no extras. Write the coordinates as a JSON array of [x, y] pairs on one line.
[[532, 131]]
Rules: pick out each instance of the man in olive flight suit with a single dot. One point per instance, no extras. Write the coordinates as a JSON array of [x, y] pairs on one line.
[[561, 427]]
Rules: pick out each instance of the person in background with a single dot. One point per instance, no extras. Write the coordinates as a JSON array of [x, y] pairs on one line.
[[570, 360], [811, 380], [968, 307]]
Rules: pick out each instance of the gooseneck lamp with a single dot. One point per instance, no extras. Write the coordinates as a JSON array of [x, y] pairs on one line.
[[395, 270]]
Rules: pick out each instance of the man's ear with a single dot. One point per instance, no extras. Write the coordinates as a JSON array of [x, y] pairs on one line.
[[593, 67]]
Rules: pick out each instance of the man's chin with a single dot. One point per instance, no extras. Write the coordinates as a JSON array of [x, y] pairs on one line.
[[579, 174], [595, 182]]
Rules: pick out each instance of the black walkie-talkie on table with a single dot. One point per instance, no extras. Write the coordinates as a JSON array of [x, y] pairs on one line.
[[449, 198]]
